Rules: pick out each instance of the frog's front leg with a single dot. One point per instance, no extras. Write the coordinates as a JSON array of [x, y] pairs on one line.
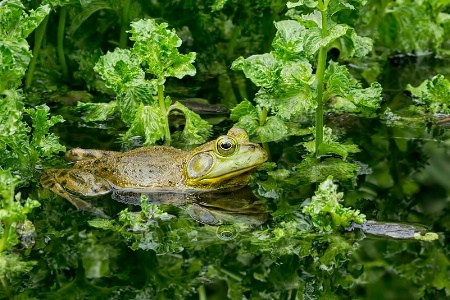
[[77, 154], [69, 183]]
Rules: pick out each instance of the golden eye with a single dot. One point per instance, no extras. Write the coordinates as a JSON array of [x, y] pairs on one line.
[[226, 145]]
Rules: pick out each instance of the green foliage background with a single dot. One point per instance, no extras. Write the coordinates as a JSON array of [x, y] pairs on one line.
[[54, 63]]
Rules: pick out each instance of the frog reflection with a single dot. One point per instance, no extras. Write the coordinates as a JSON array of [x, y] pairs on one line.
[[240, 206]]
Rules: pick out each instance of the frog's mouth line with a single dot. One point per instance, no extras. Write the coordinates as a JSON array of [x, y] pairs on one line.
[[230, 175]]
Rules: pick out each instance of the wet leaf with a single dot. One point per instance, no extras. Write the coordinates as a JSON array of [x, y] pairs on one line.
[[346, 93], [149, 122], [263, 70], [196, 130], [327, 213], [93, 112], [156, 48], [433, 95]]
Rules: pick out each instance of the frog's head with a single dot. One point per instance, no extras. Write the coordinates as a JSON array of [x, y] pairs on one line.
[[225, 163]]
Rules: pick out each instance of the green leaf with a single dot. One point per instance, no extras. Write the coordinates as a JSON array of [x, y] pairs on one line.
[[106, 224], [301, 6], [329, 145], [299, 3], [293, 41], [273, 129], [218, 5], [353, 45], [8, 182], [196, 130], [295, 73], [313, 170], [433, 95], [337, 245], [14, 59], [43, 143], [93, 112], [289, 41], [86, 61], [130, 100], [156, 47], [292, 92], [11, 264], [15, 23], [88, 10], [121, 70], [263, 70], [346, 93], [148, 123], [19, 151], [335, 32], [244, 109], [11, 213], [327, 213], [406, 27], [248, 117], [14, 141], [287, 102]]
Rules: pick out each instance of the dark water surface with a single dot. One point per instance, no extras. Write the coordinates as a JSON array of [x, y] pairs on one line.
[[408, 182]]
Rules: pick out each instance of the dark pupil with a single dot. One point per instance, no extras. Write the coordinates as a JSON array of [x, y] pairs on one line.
[[226, 145]]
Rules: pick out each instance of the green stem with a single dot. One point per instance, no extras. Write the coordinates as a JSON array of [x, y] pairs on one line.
[[163, 108], [60, 42], [39, 34], [320, 75], [6, 287], [235, 85], [235, 33], [5, 236], [262, 121], [232, 275], [263, 117], [125, 20], [201, 293]]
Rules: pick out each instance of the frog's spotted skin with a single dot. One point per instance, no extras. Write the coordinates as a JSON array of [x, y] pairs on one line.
[[78, 154], [221, 165]]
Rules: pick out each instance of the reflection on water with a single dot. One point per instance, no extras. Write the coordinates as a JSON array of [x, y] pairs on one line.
[[408, 182], [240, 206]]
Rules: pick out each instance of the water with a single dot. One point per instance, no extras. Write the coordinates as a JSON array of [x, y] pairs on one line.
[[176, 257]]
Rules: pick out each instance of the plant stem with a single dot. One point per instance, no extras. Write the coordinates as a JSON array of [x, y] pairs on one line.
[[5, 236], [201, 293], [39, 34], [262, 121], [263, 117], [162, 106], [60, 42], [124, 26], [6, 287], [320, 75]]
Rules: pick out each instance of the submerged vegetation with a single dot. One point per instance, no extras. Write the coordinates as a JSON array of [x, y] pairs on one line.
[[342, 158]]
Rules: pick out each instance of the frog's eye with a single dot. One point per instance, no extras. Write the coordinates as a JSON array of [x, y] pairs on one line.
[[226, 145]]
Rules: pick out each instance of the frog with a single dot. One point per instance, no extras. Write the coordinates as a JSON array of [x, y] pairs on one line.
[[221, 165]]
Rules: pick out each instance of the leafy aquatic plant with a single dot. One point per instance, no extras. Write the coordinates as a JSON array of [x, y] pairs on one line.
[[288, 86], [433, 95], [327, 213], [406, 26], [289, 89], [141, 102], [21, 146], [13, 224]]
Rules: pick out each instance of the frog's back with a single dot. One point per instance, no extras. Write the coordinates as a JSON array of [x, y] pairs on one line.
[[150, 168]]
